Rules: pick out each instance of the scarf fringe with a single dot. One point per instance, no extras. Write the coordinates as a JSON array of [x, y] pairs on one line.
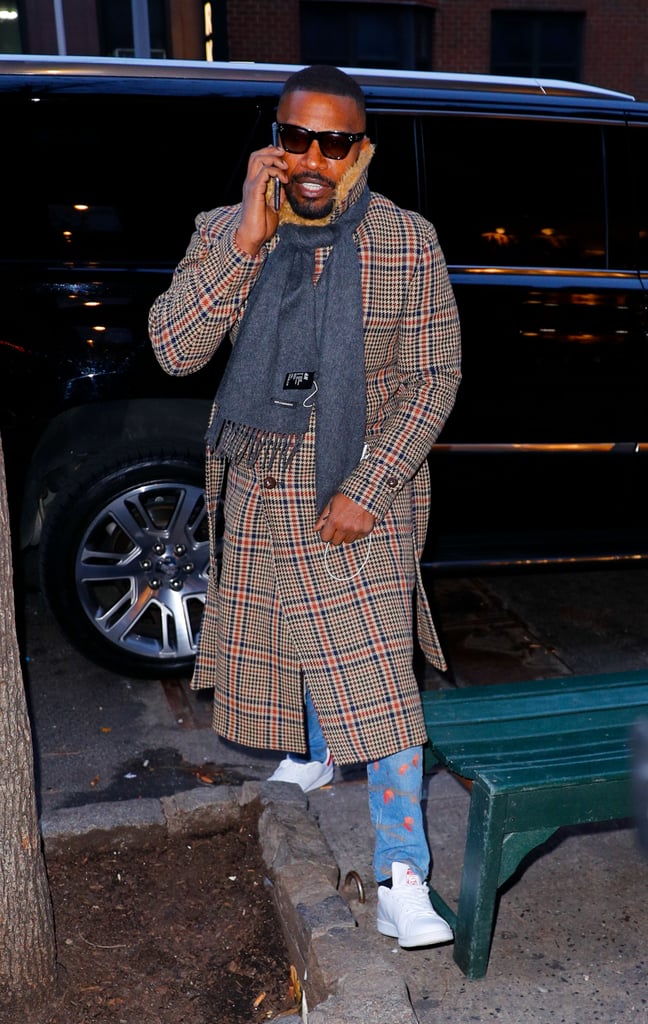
[[239, 442]]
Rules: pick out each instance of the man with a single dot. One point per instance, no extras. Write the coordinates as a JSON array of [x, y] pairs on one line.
[[344, 368]]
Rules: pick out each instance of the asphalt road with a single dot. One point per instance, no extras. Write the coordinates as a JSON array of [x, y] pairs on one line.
[[102, 736]]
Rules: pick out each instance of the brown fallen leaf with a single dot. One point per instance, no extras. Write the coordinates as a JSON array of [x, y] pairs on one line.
[[295, 988]]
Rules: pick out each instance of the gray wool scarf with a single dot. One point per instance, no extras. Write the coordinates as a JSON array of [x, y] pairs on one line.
[[300, 345]]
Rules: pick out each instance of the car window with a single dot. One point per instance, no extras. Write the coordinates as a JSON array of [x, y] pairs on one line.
[[123, 176], [638, 146], [394, 170], [510, 192], [22, 213], [623, 221]]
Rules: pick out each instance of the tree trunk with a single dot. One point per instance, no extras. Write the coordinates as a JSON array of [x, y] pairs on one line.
[[27, 943]]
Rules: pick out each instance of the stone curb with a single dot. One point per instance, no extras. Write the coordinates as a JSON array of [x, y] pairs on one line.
[[343, 980]]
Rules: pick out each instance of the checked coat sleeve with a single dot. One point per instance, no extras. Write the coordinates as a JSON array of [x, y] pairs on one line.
[[210, 285]]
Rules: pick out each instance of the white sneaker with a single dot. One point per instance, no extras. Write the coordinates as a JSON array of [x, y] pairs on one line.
[[405, 911], [309, 774]]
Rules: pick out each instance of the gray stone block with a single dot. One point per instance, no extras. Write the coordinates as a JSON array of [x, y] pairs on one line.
[[349, 982], [201, 811], [104, 826], [281, 793], [289, 834], [365, 1007]]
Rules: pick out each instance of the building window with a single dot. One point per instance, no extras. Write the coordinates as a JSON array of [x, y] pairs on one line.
[[537, 45], [116, 28], [367, 35], [10, 41]]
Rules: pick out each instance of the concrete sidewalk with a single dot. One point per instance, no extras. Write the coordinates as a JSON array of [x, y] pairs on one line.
[[571, 936]]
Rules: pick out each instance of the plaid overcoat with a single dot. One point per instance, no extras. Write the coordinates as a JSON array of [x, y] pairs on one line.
[[287, 610]]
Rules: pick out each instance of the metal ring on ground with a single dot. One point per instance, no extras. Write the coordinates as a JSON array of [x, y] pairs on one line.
[[353, 876]]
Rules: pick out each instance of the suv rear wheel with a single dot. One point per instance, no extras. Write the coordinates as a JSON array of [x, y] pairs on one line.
[[124, 560]]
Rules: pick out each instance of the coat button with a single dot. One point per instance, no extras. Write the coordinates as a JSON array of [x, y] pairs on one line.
[[270, 482], [392, 482]]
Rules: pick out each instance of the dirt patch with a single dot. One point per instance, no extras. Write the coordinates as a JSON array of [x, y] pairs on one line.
[[183, 933]]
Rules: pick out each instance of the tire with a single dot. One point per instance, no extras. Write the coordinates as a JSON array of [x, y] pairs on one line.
[[124, 560]]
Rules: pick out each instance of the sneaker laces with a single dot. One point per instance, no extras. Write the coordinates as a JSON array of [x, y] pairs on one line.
[[414, 896]]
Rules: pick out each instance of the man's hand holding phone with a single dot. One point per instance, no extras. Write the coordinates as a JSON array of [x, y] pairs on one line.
[[259, 218]]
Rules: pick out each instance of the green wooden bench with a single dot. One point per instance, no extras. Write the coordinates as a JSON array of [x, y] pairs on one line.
[[536, 755]]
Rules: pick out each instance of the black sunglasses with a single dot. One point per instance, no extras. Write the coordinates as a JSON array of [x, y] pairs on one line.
[[333, 145]]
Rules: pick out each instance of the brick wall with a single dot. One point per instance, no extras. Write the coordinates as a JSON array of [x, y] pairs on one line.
[[615, 43], [264, 30]]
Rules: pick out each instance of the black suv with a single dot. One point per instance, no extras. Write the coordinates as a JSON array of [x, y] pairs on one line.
[[538, 192]]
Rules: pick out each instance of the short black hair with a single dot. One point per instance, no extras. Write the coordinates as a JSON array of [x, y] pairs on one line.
[[327, 79]]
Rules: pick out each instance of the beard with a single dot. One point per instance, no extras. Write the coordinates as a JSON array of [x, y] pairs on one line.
[[310, 209]]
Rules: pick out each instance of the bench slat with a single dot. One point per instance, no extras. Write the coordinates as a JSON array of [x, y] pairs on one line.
[[623, 682], [608, 720], [486, 704], [522, 744], [550, 774], [543, 771], [587, 746], [544, 763]]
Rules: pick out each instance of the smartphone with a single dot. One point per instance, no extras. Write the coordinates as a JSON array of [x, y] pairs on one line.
[[277, 183]]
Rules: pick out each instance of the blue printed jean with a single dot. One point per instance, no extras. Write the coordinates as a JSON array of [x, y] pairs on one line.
[[395, 786]]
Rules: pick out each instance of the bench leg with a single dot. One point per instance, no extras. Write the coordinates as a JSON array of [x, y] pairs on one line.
[[479, 881]]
